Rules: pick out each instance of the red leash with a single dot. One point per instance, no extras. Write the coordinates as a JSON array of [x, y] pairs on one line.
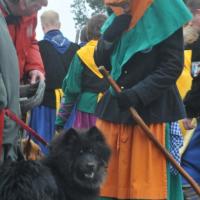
[[1, 128], [12, 116]]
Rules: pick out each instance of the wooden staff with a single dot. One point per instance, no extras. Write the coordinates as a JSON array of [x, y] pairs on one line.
[[150, 135]]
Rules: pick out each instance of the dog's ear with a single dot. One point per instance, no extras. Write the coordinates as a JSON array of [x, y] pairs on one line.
[[65, 138], [95, 134], [70, 136]]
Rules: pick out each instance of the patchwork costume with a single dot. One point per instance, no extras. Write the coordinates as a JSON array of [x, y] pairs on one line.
[[83, 86]]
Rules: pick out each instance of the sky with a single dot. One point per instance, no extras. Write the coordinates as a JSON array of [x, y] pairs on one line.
[[66, 18]]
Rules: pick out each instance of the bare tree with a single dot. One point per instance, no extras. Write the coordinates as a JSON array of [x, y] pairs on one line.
[[83, 9]]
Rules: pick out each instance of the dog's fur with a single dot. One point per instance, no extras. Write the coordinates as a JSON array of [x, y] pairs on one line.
[[73, 170]]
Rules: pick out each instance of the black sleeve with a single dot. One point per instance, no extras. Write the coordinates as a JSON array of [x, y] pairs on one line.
[[170, 65], [103, 53], [109, 38], [192, 99]]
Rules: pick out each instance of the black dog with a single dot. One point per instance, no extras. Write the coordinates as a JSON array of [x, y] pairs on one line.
[[73, 170]]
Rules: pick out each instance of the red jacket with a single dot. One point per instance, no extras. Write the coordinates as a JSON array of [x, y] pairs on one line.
[[23, 36]]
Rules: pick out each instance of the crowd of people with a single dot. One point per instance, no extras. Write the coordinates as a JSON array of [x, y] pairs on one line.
[[152, 51]]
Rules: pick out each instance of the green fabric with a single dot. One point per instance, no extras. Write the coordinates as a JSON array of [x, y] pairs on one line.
[[86, 101], [161, 20], [174, 181]]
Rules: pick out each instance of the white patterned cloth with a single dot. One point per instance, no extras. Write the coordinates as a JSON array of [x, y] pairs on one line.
[[176, 142]]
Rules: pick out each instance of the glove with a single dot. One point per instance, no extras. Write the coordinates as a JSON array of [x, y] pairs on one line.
[[119, 25], [125, 100]]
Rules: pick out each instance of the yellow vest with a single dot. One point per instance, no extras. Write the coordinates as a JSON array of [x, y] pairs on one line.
[[184, 82]]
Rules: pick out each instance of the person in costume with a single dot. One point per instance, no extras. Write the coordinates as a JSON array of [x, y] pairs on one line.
[[83, 84], [21, 18], [192, 105], [57, 53], [146, 58], [9, 93], [184, 82], [190, 158]]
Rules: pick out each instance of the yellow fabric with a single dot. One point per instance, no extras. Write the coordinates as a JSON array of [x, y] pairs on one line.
[[185, 80], [184, 84], [128, 175], [137, 7], [100, 95], [58, 94], [85, 53], [187, 138]]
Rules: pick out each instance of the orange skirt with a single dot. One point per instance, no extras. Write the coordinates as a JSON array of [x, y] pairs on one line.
[[137, 169]]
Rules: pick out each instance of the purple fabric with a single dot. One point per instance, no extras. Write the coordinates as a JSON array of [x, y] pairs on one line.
[[84, 120]]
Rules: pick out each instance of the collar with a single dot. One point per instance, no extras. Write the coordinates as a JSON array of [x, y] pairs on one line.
[[86, 55]]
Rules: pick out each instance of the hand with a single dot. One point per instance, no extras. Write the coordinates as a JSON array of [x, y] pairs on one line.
[[187, 123], [35, 76], [118, 26], [123, 101], [127, 98]]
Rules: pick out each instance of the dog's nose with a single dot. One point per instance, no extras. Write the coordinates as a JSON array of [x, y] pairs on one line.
[[91, 165]]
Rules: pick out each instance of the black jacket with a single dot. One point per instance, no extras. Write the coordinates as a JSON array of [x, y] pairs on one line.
[[150, 81], [192, 99], [56, 66]]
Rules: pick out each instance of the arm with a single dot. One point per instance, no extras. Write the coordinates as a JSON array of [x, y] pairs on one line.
[[103, 53], [71, 88], [34, 65], [168, 70]]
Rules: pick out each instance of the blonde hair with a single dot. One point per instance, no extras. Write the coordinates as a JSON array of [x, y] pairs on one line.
[[50, 18]]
